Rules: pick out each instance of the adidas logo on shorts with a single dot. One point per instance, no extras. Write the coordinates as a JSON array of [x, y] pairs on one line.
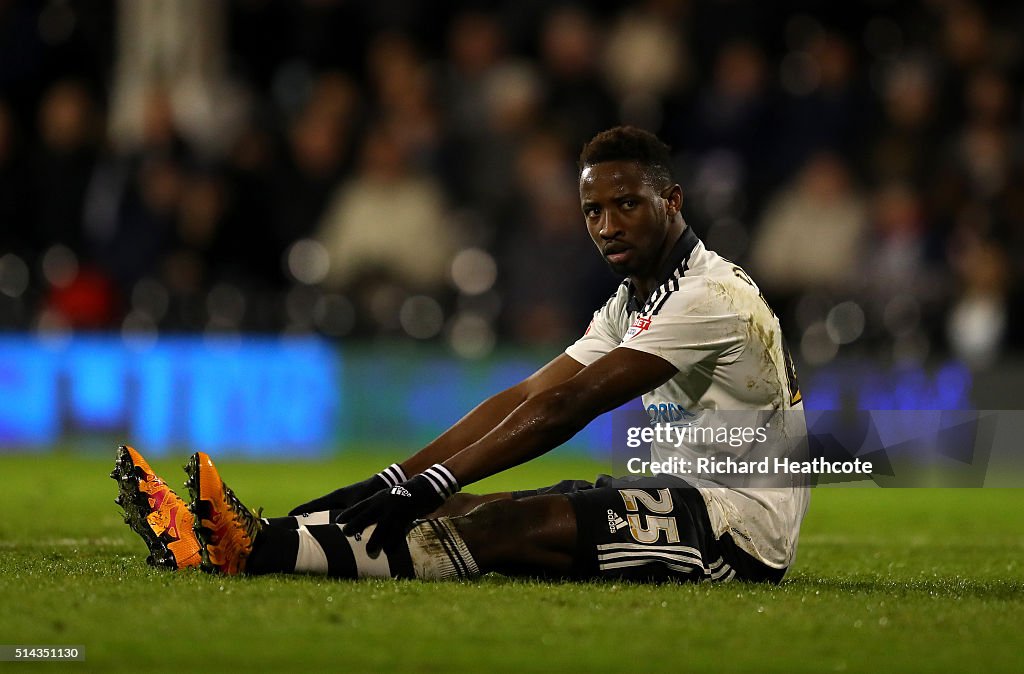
[[615, 522]]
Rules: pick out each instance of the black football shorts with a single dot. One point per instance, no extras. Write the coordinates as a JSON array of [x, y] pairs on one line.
[[651, 529]]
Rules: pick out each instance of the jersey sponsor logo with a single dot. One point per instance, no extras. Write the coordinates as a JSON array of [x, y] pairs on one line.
[[664, 413], [639, 325]]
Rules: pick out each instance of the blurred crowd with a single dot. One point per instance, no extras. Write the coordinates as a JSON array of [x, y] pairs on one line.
[[403, 169]]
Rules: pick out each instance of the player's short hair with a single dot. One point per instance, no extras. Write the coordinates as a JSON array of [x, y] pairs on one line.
[[628, 143]]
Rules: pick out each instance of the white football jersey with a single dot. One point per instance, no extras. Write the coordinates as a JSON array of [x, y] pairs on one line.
[[709, 320]]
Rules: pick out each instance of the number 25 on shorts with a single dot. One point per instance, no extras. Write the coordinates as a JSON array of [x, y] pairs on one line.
[[648, 528]]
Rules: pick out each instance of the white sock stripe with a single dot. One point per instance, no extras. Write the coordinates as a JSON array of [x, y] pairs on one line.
[[435, 483], [444, 481], [715, 564], [311, 557], [392, 475], [445, 477], [447, 474]]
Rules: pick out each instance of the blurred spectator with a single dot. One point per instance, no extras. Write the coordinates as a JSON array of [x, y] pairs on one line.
[[544, 304], [727, 132], [576, 101], [488, 101], [249, 250], [319, 147], [475, 50], [132, 198], [810, 237], [63, 164], [512, 109], [645, 59], [903, 148], [178, 47], [733, 110], [386, 227], [978, 320], [822, 108], [979, 169], [895, 254], [901, 286], [197, 252], [403, 94], [145, 220], [966, 35]]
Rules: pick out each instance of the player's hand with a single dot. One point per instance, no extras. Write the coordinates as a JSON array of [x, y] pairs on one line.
[[394, 510], [346, 497]]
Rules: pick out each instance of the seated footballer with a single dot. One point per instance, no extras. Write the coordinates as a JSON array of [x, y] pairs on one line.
[[686, 327]]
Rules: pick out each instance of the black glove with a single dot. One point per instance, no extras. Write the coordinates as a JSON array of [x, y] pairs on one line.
[[393, 511], [346, 497]]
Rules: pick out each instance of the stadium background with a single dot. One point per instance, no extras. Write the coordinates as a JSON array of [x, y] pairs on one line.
[[324, 229], [277, 226]]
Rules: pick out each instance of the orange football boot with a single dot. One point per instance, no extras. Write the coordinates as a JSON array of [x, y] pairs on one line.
[[155, 512], [225, 527]]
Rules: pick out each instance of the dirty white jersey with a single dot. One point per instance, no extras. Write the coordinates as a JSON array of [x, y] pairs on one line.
[[709, 320]]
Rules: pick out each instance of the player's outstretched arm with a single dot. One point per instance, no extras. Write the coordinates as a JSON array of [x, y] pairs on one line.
[[555, 415], [477, 423], [537, 425]]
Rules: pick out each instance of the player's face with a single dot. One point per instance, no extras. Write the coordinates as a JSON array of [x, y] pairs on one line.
[[627, 218]]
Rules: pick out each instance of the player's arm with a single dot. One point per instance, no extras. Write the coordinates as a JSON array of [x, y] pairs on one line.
[[481, 420], [554, 415], [537, 425]]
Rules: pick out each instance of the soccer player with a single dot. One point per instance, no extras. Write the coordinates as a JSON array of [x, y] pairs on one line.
[[686, 330]]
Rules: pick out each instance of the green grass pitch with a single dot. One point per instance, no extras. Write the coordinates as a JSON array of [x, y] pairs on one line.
[[886, 580]]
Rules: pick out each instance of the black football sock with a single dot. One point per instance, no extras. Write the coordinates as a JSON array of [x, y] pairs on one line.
[[433, 550], [323, 549], [273, 551]]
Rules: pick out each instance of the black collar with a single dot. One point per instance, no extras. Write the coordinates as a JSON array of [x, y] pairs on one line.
[[677, 259]]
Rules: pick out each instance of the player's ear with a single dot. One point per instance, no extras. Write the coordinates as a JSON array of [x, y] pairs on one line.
[[673, 197]]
